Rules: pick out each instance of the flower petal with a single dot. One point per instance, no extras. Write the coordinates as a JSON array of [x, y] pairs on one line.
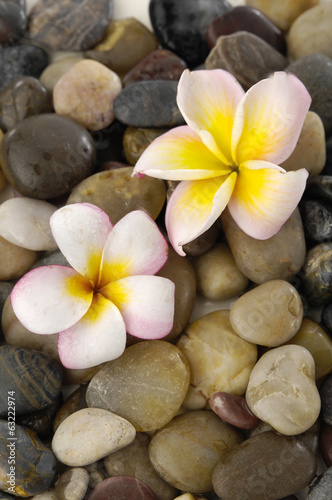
[[81, 231], [264, 197], [50, 299], [134, 246], [146, 304], [98, 337], [178, 155], [208, 100], [194, 206], [269, 119]]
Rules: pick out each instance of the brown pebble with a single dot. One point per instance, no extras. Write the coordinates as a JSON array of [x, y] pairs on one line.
[[122, 488], [233, 410], [136, 140], [15, 261]]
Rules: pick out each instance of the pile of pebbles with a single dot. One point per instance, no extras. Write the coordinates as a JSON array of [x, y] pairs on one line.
[[236, 402]]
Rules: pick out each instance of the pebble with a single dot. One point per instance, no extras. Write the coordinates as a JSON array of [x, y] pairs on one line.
[[269, 314], [246, 56], [5, 290], [122, 488], [72, 484], [181, 26], [89, 435], [15, 261], [264, 467], [317, 220], [13, 22], [69, 26], [75, 401], [86, 93], [22, 98], [136, 140], [49, 494], [233, 410], [218, 277], [320, 186], [134, 461], [282, 390], [185, 452], [45, 156], [284, 12], [310, 33], [325, 444], [21, 60], [97, 473], [317, 274], [326, 317], [150, 103], [54, 71], [34, 464], [41, 422], [326, 397], [219, 360], [279, 257], [126, 43], [118, 193], [320, 488], [202, 243]]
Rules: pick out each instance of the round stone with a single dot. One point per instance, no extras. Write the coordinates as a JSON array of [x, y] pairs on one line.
[[54, 71], [317, 220], [138, 387], [122, 488], [320, 186], [15, 261], [136, 140], [282, 390], [72, 484], [284, 12], [233, 410], [317, 274]]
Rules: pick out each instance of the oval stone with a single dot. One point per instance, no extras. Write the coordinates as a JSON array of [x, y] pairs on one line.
[[284, 12], [317, 220], [264, 467], [233, 410], [45, 156], [122, 488], [54, 71], [282, 390], [317, 274], [320, 186], [136, 140], [89, 435], [139, 387], [72, 484]]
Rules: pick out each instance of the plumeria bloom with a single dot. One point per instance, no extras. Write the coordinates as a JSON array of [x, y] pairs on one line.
[[109, 290], [229, 154]]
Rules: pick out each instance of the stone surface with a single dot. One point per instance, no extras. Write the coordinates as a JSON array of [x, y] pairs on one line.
[[233, 410], [284, 12], [320, 186], [246, 56], [97, 473], [15, 261], [326, 397], [89, 435], [326, 317], [65, 25], [320, 488], [282, 390], [279, 257], [13, 21], [325, 444], [86, 93], [219, 359], [108, 143], [136, 140], [138, 387], [72, 484], [118, 193], [265, 467], [202, 243], [41, 421], [179, 450], [317, 220], [54, 71], [75, 401], [45, 156], [122, 488], [317, 274]]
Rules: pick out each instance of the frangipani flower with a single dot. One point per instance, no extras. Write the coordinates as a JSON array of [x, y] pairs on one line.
[[109, 290], [229, 153]]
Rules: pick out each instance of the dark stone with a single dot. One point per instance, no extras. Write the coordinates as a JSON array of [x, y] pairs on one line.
[[326, 399], [321, 487], [317, 274], [74, 25], [34, 379], [22, 98], [204, 242], [52, 259], [21, 60], [13, 21], [41, 422], [317, 220], [76, 401], [327, 170], [108, 143], [246, 56], [326, 317], [122, 488], [149, 104], [136, 140], [325, 444], [319, 186], [233, 410], [245, 18], [181, 26], [45, 156]]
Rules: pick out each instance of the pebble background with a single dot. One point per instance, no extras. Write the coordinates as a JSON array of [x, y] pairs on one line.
[[236, 402]]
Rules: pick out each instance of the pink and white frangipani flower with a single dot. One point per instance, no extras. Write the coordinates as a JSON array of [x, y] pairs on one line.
[[228, 154], [109, 290]]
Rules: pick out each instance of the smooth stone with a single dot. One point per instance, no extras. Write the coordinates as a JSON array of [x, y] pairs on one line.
[[34, 463], [181, 26], [22, 98], [134, 461], [269, 314], [315, 72], [49, 494], [125, 44], [97, 473], [54, 71], [138, 387], [185, 452], [245, 18], [150, 103], [317, 220], [136, 140], [326, 397], [310, 33], [118, 193], [160, 64], [89, 435], [21, 60], [279, 257], [41, 421], [264, 467], [34, 378], [246, 56], [282, 390], [86, 93], [45, 156], [284, 12], [72, 484], [13, 21], [15, 261], [69, 26], [75, 401], [122, 488], [219, 360], [317, 274], [326, 317], [233, 410], [325, 444], [320, 187], [202, 243], [310, 150], [218, 277], [321, 487], [108, 143]]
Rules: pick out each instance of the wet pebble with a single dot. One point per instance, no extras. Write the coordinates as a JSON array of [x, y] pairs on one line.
[[317, 220], [317, 274], [326, 397], [136, 140], [122, 488], [13, 21], [233, 410], [72, 484], [284, 12], [321, 487], [325, 444]]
